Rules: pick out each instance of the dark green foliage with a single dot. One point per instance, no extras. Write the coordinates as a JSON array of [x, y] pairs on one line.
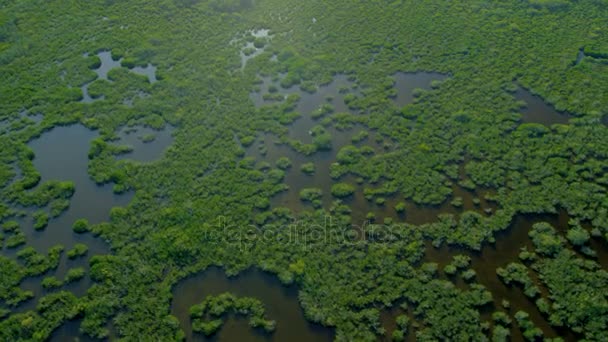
[[469, 274], [79, 250], [577, 236], [51, 282], [501, 318], [348, 155], [518, 273], [37, 263], [308, 168], [74, 274], [11, 274], [10, 226], [41, 219], [311, 194], [15, 240], [321, 139], [283, 163], [227, 303], [577, 298], [81, 226], [323, 110], [58, 206], [530, 332], [545, 239], [500, 334]]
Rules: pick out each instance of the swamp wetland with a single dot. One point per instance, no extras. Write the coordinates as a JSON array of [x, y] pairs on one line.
[[264, 170]]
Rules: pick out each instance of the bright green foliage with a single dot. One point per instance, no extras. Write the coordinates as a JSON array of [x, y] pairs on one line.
[[500, 334], [577, 236], [322, 141], [10, 226], [41, 219], [470, 121], [518, 273], [283, 163], [15, 240], [501, 318], [545, 239], [79, 250], [74, 274], [400, 207], [81, 226], [308, 168], [311, 194], [342, 190], [348, 155], [51, 282]]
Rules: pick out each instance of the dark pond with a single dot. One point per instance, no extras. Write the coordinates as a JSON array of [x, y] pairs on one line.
[[62, 154], [538, 111], [281, 305], [407, 82]]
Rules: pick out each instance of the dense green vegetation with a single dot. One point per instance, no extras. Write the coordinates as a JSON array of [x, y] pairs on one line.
[[191, 207], [226, 303]]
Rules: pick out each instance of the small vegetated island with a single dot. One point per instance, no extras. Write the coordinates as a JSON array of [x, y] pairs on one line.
[[409, 170]]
